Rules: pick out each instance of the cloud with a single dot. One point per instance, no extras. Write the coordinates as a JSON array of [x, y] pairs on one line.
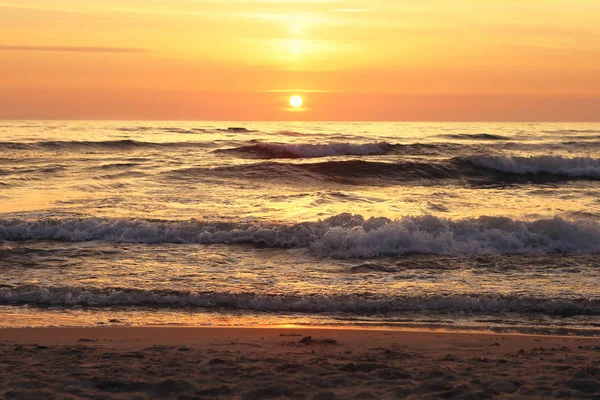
[[90, 49], [350, 10], [295, 91]]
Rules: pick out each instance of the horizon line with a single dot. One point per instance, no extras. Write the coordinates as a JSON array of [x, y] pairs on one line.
[[306, 121]]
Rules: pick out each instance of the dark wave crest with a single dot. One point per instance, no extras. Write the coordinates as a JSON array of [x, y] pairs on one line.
[[160, 129], [355, 303], [281, 150], [109, 145], [474, 170], [476, 136], [308, 150], [353, 172], [570, 131]]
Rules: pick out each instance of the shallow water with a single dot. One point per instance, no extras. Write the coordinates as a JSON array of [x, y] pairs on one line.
[[478, 226]]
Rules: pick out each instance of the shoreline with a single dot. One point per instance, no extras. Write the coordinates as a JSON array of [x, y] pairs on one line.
[[533, 330], [159, 334], [424, 329], [293, 362]]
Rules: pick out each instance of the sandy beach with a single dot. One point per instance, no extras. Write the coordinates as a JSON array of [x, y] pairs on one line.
[[300, 363]]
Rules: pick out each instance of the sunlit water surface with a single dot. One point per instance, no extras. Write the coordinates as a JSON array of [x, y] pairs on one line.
[[475, 226]]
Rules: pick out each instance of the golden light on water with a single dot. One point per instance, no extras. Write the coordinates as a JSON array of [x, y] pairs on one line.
[[296, 101]]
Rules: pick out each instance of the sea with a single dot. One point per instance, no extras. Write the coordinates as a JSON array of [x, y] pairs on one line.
[[453, 226]]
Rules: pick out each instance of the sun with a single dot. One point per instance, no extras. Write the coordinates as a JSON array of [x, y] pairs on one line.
[[296, 101]]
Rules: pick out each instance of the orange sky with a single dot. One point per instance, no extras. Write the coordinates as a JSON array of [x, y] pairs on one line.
[[351, 60]]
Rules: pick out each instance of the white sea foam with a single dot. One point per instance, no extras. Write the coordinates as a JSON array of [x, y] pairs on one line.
[[360, 303], [485, 235], [342, 236], [557, 165]]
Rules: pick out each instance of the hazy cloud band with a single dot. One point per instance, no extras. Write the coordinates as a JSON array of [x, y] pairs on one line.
[[91, 49]]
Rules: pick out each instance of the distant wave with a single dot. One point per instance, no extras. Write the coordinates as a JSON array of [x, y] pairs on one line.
[[126, 144], [159, 129], [476, 136], [587, 144], [568, 131], [280, 150], [582, 136], [585, 167], [341, 236], [260, 150], [359, 303], [236, 129], [162, 129]]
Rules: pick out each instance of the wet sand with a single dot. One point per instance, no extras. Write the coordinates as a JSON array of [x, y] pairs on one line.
[[299, 363]]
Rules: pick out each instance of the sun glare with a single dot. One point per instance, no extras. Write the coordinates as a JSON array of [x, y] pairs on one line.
[[296, 101]]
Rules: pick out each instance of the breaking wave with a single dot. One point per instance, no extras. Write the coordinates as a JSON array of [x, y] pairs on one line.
[[342, 236], [356, 303], [584, 167]]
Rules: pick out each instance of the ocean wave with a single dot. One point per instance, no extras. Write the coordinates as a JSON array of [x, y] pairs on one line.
[[125, 144], [308, 150], [235, 129], [475, 136], [161, 129], [341, 236], [351, 172], [578, 143], [568, 131], [583, 167], [157, 129], [472, 170], [281, 150], [358, 303]]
